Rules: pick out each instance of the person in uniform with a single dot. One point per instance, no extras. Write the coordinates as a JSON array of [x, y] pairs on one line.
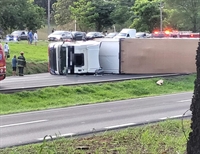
[[21, 63]]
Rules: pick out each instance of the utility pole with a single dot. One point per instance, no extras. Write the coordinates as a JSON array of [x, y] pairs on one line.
[[75, 23], [161, 20], [114, 28], [49, 16]]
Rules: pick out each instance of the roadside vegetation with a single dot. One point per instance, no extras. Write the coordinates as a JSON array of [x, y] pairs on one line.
[[31, 68], [36, 56], [65, 96], [161, 138], [32, 53]]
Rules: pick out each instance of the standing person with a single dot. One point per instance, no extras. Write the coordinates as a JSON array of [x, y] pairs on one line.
[[35, 36], [53, 30], [21, 61], [28, 38], [106, 33], [14, 65], [30, 35], [6, 50]]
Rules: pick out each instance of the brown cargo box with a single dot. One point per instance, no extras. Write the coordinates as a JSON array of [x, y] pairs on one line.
[[158, 56]]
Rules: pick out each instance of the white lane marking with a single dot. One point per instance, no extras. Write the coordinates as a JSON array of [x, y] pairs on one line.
[[187, 100], [122, 125], [176, 116], [163, 118], [56, 136], [97, 104], [24, 123]]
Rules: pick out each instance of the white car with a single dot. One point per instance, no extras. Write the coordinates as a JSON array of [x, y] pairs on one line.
[[60, 36]]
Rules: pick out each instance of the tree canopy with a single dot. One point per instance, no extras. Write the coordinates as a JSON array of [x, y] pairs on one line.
[[147, 15], [99, 15], [62, 13], [20, 14], [44, 4], [84, 13], [185, 14]]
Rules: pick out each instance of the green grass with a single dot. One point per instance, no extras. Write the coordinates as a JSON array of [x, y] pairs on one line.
[[86, 94], [32, 53], [161, 138]]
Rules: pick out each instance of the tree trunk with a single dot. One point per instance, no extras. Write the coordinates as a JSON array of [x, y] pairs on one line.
[[194, 24], [193, 144]]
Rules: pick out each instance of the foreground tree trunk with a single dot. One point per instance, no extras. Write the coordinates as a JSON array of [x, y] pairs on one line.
[[193, 145]]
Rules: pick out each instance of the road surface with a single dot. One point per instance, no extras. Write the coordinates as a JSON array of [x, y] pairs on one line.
[[25, 128]]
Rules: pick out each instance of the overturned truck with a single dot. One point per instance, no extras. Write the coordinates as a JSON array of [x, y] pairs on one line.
[[124, 56]]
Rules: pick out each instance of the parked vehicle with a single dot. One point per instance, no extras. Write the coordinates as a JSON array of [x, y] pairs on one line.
[[17, 35], [78, 36], [126, 33], [111, 35], [2, 64], [93, 35], [158, 34], [60, 36], [142, 35]]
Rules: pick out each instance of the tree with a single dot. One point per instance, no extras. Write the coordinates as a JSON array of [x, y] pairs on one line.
[[44, 4], [193, 145], [127, 3], [146, 14], [34, 18], [122, 14], [84, 13], [109, 12], [62, 14], [96, 14], [20, 14], [187, 12], [104, 9]]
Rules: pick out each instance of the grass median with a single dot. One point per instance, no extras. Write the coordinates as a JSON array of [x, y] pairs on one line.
[[94, 93], [32, 53], [161, 138]]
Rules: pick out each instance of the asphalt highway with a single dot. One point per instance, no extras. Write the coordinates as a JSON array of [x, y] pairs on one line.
[[32, 82], [30, 127]]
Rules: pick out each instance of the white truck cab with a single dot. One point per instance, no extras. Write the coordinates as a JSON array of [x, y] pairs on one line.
[[126, 33]]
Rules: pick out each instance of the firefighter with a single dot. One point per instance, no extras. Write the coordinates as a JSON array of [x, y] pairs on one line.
[[21, 63]]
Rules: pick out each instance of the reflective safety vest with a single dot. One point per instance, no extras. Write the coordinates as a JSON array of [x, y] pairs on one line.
[[21, 61]]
